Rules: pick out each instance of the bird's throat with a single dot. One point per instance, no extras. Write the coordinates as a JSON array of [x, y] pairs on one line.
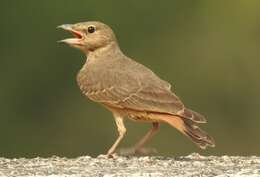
[[108, 51]]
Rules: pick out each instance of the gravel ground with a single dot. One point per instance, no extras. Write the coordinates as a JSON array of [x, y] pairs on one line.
[[191, 165]]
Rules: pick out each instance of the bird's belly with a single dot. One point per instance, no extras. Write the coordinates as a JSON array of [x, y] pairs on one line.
[[140, 116]]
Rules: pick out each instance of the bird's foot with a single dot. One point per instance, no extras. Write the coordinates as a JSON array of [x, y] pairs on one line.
[[108, 156], [139, 151]]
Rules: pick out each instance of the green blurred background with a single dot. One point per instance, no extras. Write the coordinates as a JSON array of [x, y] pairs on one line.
[[208, 50]]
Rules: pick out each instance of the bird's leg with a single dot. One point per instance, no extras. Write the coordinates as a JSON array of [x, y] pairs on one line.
[[138, 147], [121, 130]]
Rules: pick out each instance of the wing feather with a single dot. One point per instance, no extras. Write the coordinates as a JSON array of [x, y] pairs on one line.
[[135, 87]]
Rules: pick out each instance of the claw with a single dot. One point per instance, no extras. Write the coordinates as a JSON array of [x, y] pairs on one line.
[[133, 151]]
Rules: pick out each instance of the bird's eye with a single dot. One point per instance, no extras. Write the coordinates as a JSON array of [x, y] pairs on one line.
[[91, 29]]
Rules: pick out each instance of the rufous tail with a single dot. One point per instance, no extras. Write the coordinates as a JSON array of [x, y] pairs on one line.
[[190, 129]]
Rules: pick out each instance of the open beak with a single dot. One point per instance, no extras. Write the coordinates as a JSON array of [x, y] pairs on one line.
[[77, 40]]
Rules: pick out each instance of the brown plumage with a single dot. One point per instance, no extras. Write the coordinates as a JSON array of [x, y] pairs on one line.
[[129, 89]]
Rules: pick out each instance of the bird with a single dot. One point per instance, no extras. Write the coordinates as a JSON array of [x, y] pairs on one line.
[[129, 89]]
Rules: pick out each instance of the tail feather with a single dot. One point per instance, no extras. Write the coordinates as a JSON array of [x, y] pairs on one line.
[[192, 115], [190, 129], [198, 136]]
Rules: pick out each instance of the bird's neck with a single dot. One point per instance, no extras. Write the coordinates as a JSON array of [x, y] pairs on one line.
[[111, 50]]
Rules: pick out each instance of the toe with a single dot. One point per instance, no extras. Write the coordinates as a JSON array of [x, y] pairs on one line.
[[108, 156]]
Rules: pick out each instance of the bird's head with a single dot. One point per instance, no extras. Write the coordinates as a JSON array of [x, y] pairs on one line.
[[89, 36]]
